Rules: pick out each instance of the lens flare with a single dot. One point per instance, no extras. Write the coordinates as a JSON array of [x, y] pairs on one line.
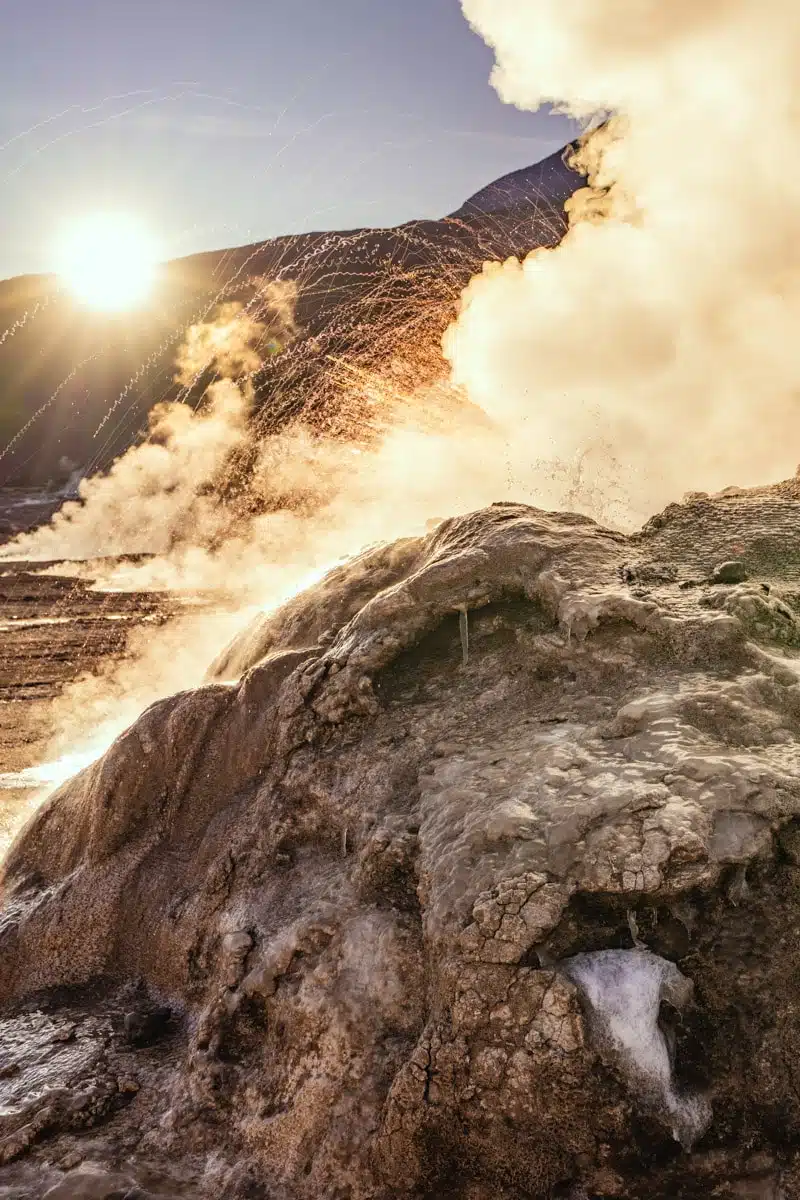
[[108, 261]]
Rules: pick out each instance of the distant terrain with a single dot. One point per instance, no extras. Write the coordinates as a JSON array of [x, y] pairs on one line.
[[75, 387]]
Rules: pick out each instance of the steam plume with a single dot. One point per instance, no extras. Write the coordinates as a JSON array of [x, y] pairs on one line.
[[155, 497], [664, 324]]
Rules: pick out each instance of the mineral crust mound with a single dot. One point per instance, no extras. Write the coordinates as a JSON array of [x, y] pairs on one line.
[[471, 872]]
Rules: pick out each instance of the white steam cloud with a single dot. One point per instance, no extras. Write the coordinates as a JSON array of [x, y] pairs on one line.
[[664, 325], [158, 495]]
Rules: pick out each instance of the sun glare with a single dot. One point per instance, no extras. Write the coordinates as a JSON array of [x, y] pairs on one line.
[[108, 261]]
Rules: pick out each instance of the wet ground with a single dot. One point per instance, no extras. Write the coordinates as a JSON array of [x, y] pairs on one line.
[[53, 629]]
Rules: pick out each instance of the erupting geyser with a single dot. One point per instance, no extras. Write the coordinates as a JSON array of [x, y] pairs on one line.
[[662, 326]]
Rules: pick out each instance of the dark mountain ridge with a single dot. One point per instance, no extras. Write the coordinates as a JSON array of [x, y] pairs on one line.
[[76, 387]]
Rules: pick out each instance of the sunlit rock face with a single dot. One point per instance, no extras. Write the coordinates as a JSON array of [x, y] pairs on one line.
[[368, 920]]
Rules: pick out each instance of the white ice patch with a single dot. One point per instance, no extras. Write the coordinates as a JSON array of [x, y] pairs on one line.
[[624, 990]]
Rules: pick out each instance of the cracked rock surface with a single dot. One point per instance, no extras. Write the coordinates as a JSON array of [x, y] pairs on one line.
[[408, 903]]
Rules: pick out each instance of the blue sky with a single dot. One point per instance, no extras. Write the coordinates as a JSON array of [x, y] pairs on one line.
[[227, 122]]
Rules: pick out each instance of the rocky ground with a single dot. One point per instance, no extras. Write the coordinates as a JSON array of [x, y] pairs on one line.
[[482, 882]]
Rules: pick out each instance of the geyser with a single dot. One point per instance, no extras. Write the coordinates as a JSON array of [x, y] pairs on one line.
[[663, 324]]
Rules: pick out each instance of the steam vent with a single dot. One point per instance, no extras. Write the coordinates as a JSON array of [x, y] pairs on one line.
[[480, 881]]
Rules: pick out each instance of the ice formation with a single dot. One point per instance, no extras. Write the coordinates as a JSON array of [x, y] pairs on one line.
[[624, 990]]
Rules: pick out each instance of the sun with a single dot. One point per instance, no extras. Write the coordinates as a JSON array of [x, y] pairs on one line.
[[108, 261]]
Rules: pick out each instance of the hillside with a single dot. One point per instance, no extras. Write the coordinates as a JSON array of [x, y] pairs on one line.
[[77, 386]]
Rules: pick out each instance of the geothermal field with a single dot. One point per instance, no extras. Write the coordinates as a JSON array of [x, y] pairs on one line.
[[400, 634]]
